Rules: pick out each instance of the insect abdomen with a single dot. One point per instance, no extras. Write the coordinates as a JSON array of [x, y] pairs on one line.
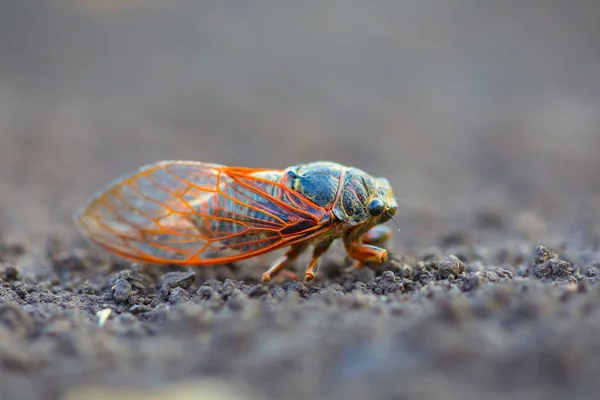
[[224, 216]]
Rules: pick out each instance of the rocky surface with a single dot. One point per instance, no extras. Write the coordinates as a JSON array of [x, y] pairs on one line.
[[425, 327]]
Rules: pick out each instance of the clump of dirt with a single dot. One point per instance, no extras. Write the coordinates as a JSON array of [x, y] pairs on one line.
[[547, 266]]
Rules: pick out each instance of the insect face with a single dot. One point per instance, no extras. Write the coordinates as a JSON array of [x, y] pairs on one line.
[[365, 199], [385, 196]]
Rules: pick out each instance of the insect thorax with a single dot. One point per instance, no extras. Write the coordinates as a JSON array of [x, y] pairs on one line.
[[344, 190]]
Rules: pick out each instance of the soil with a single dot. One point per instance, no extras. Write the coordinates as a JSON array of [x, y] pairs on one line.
[[493, 323], [491, 290]]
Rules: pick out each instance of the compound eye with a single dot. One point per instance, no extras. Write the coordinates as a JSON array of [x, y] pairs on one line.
[[376, 207]]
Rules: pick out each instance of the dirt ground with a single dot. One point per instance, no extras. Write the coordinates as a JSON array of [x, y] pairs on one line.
[[483, 117]]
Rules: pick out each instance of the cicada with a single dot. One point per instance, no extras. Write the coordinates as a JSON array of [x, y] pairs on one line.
[[197, 213]]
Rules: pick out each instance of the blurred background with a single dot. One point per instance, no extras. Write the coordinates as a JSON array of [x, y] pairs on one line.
[[472, 109]]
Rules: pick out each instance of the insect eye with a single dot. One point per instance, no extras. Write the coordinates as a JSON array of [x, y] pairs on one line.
[[376, 207]]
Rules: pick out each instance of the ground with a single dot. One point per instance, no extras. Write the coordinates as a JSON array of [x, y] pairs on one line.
[[459, 321], [483, 119]]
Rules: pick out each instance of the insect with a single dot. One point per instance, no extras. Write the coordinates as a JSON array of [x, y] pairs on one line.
[[190, 212]]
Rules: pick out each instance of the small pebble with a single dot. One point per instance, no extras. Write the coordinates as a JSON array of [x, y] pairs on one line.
[[103, 316], [178, 295], [11, 274], [172, 280], [449, 266], [122, 290]]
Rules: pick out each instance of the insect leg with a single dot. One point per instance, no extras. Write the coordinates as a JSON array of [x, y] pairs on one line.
[[363, 252], [311, 271], [284, 261], [378, 235]]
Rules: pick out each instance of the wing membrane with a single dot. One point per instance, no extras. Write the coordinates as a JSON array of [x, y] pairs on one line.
[[198, 213]]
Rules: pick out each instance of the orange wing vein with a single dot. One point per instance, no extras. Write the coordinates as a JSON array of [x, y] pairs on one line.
[[187, 212]]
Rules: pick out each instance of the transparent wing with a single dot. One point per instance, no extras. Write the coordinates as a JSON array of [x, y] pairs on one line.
[[199, 213]]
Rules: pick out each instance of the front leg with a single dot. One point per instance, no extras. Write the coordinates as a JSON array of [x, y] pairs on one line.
[[378, 235], [364, 252]]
